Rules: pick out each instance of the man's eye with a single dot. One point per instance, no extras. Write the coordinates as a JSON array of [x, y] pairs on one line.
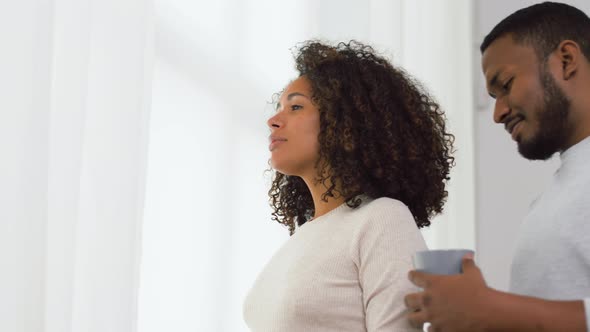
[[507, 85], [296, 107]]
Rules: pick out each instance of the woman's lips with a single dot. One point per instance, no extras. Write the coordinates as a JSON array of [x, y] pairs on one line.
[[276, 142]]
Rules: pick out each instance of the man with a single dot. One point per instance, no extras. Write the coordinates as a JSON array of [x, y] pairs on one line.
[[537, 67]]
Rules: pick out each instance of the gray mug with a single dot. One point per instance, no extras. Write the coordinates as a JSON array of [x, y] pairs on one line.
[[440, 261]]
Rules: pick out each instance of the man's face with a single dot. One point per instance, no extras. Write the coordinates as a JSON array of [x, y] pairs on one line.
[[530, 104]]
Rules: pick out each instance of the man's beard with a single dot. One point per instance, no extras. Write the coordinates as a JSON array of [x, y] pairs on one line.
[[553, 128]]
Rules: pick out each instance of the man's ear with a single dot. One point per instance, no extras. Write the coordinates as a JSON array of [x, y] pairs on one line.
[[569, 54]]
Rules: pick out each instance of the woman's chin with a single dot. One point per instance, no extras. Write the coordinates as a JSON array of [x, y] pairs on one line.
[[281, 168], [277, 166]]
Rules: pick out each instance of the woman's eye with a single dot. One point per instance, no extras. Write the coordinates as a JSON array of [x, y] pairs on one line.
[[296, 107]]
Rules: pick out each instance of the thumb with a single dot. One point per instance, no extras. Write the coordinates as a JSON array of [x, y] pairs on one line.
[[467, 263]]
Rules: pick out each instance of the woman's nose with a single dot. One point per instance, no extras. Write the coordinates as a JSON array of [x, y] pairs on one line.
[[274, 122]]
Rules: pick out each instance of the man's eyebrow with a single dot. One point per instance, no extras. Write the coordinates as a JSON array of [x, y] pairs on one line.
[[493, 82]]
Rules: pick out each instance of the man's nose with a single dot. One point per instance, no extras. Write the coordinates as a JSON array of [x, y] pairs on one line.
[[501, 110]]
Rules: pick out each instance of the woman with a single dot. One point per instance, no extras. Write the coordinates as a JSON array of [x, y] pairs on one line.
[[360, 156]]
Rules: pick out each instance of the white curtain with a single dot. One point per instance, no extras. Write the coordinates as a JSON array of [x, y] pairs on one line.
[[74, 101], [207, 228], [437, 47]]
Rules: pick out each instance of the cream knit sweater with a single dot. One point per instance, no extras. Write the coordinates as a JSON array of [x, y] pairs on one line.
[[344, 271]]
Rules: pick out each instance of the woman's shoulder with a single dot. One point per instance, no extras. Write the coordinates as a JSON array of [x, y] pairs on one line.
[[384, 211], [386, 205], [388, 222]]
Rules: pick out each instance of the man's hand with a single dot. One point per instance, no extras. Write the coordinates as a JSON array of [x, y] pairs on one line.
[[454, 303]]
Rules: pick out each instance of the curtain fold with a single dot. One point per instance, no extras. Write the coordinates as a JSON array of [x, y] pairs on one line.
[[75, 106]]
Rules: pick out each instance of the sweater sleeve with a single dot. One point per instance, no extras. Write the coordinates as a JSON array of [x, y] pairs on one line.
[[382, 249]]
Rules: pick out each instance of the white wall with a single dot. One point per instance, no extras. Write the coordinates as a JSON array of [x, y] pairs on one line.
[[506, 183]]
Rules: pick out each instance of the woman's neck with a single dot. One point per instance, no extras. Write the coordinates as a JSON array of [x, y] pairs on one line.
[[321, 206]]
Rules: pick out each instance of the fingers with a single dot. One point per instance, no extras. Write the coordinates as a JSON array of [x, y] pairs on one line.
[[413, 301], [416, 316], [417, 319], [419, 279]]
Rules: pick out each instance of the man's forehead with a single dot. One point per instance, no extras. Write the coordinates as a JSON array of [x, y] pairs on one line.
[[505, 52], [498, 52]]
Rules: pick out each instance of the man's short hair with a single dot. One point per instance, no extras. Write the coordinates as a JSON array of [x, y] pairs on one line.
[[543, 26]]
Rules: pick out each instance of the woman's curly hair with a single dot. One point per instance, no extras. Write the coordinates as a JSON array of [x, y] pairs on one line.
[[381, 135]]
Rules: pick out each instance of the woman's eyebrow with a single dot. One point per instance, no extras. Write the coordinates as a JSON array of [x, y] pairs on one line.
[[290, 96]]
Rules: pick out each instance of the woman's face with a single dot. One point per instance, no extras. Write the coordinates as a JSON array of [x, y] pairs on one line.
[[295, 127]]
